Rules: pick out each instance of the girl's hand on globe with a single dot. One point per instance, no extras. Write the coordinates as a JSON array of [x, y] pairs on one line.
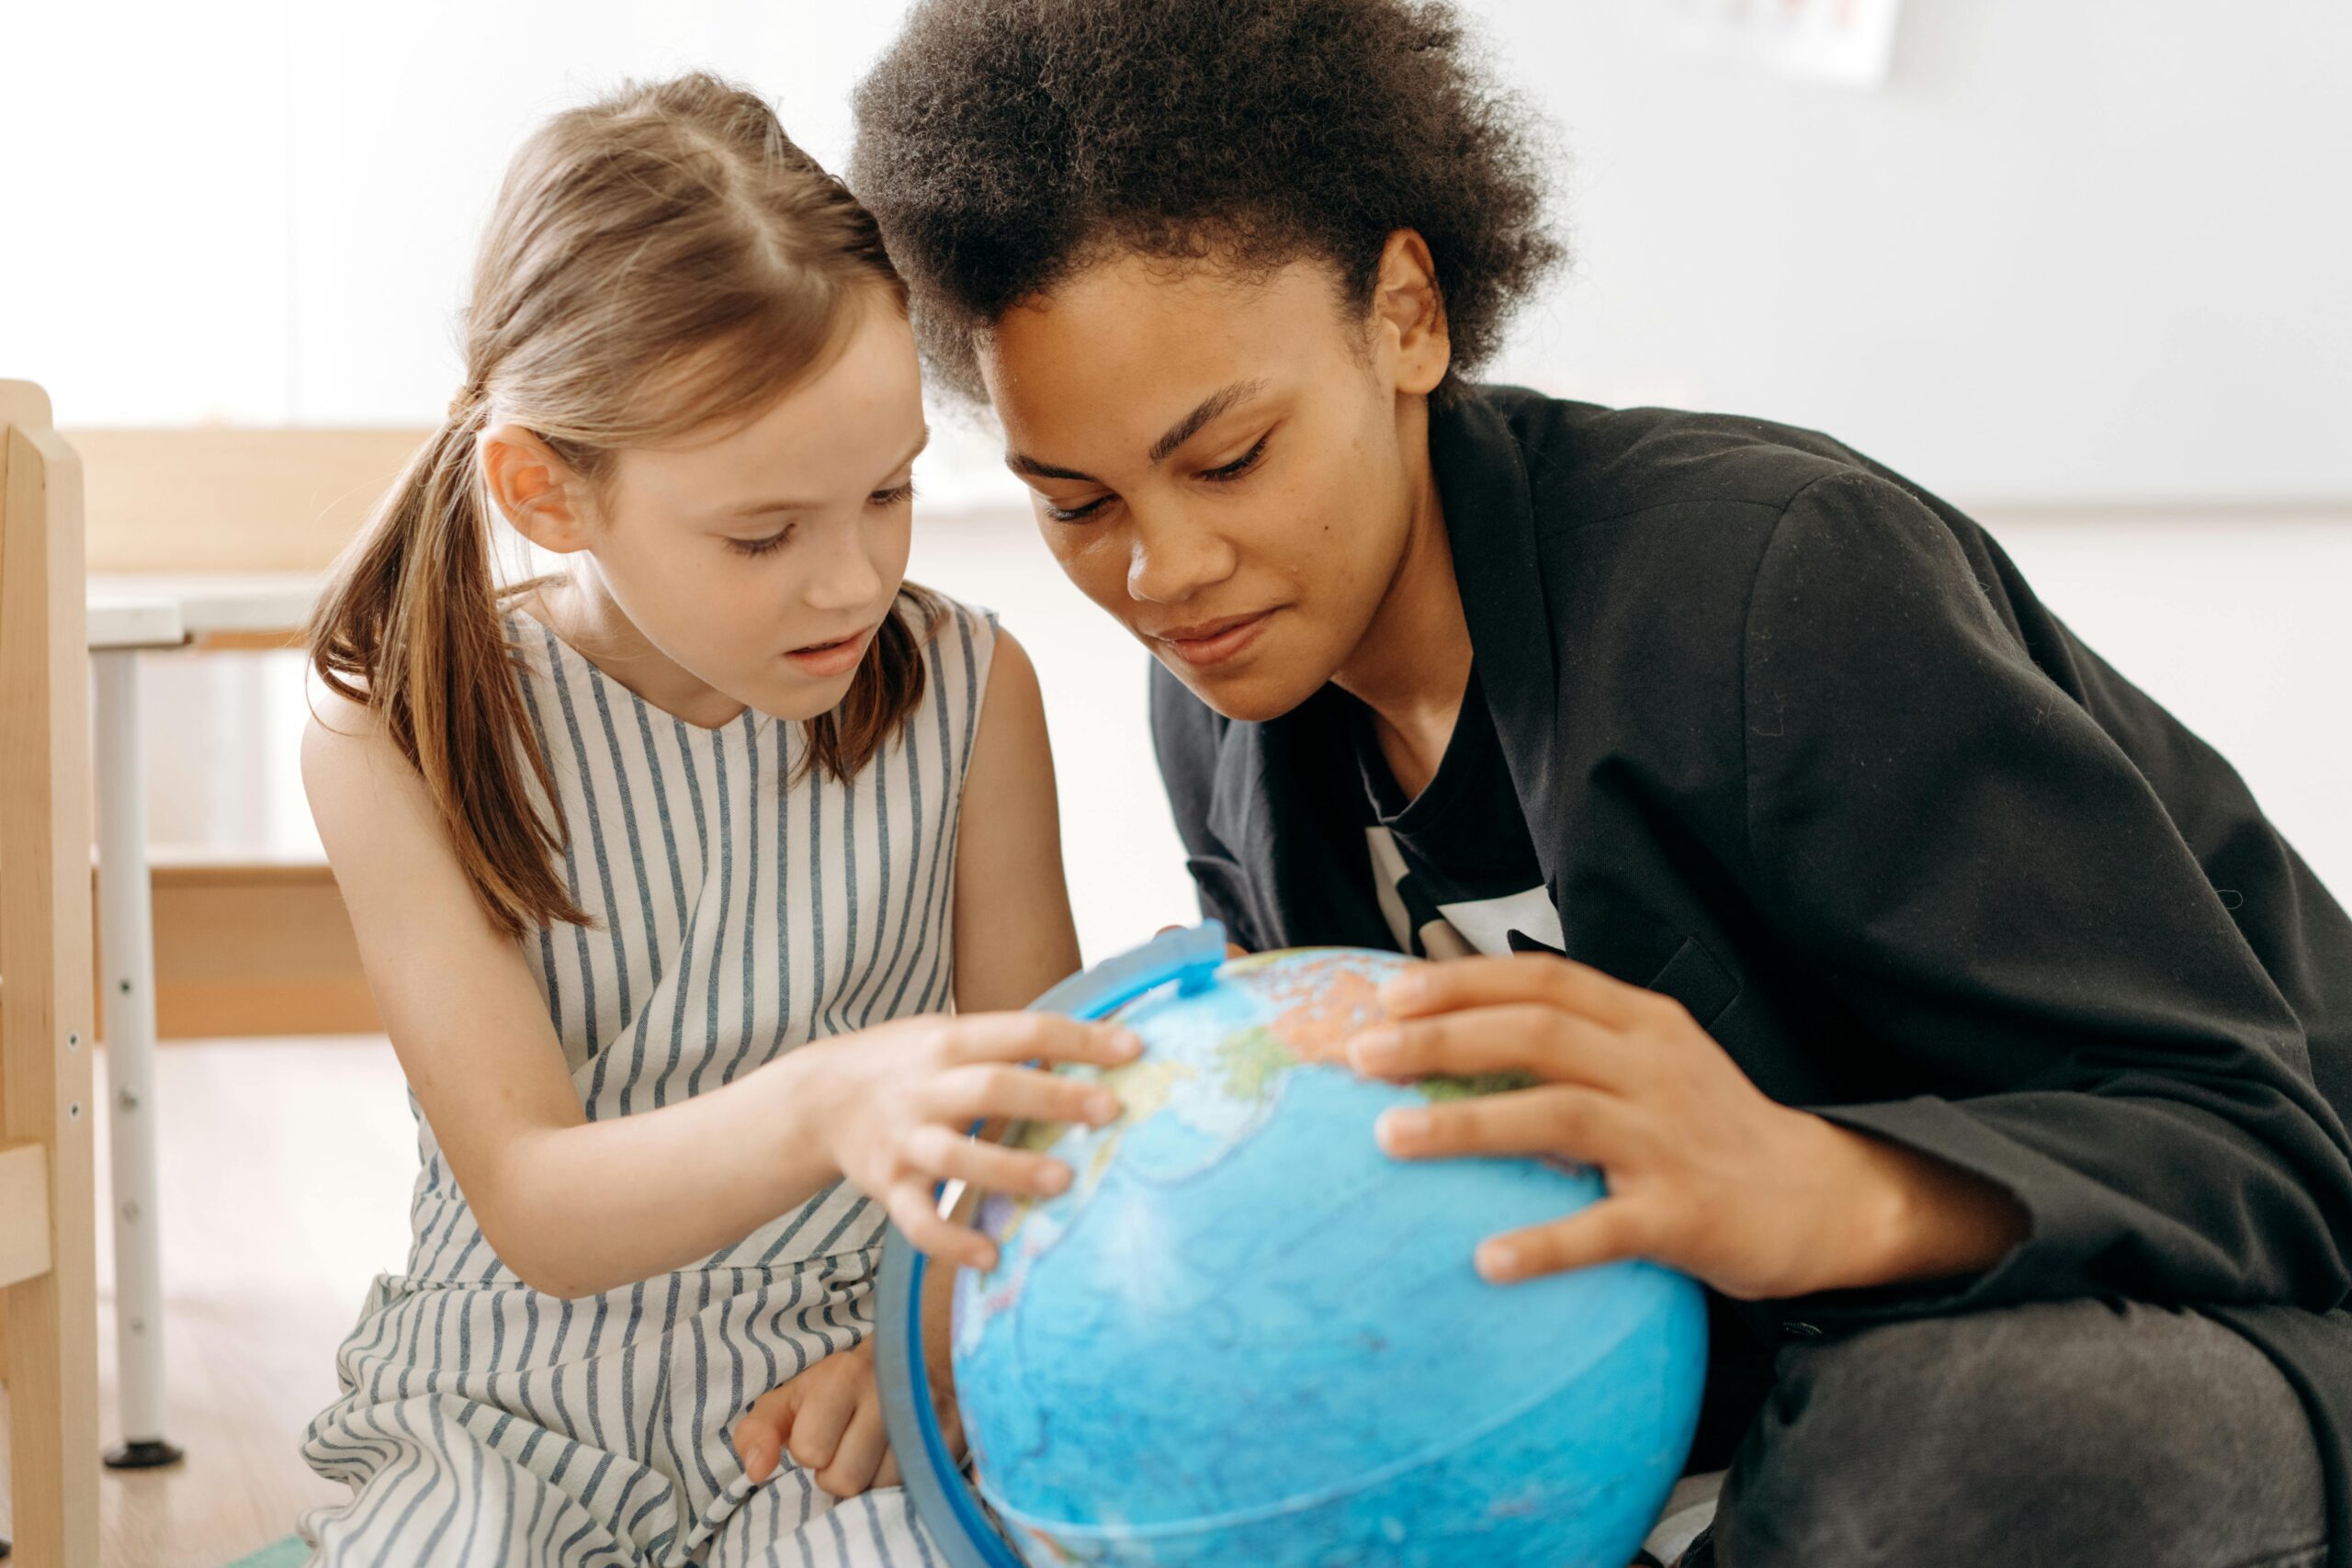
[[897, 1102], [1705, 1173]]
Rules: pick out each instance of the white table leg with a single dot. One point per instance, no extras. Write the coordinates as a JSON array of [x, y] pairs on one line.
[[127, 936]]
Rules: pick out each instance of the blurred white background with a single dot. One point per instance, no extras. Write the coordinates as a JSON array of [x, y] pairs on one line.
[[2075, 265]]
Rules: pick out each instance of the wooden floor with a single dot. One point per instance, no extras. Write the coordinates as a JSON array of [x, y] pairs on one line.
[[285, 1179]]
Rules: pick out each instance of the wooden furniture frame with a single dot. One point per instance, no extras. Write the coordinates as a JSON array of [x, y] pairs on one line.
[[48, 1226]]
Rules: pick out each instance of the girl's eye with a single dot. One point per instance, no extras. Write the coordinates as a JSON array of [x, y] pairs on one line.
[[1240, 465], [762, 546], [895, 495]]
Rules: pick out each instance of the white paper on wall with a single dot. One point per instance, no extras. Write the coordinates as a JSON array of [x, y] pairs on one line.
[[1850, 43]]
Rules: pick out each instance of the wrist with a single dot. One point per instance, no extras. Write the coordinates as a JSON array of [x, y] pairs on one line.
[[798, 1112], [1908, 1217]]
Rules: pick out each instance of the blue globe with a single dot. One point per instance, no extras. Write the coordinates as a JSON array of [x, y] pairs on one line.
[[1244, 1335]]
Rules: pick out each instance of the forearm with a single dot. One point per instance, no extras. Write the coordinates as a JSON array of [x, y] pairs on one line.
[[583, 1209]]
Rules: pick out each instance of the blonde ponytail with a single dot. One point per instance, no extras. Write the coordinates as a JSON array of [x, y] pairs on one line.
[[411, 629]]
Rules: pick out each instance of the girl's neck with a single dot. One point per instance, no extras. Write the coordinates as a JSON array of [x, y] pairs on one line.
[[579, 609], [1413, 664]]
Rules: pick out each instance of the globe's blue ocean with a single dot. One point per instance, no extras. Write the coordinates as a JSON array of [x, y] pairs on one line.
[[1246, 1336]]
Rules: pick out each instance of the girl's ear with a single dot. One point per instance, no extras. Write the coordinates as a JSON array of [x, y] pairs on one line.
[[1409, 312], [535, 490]]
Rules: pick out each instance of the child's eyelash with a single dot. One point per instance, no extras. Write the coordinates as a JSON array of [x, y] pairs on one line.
[[762, 546], [756, 548]]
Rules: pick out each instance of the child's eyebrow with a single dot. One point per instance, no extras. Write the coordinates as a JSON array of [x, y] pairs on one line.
[[764, 508]]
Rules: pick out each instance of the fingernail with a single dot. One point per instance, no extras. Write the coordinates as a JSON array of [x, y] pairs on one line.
[[1401, 1129], [1405, 990], [1056, 1179], [1498, 1260], [1376, 1050], [1101, 1106], [1127, 1042]]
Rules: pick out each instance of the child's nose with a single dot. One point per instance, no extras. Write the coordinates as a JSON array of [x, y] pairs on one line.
[[846, 578]]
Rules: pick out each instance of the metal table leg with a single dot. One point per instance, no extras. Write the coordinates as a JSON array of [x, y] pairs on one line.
[[126, 934]]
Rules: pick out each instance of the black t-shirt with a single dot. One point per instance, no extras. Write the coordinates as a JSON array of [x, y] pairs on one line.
[[1453, 868]]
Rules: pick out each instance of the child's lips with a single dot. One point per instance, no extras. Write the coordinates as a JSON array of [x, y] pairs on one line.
[[821, 659]]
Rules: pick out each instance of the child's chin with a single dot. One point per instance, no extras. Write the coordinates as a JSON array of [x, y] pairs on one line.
[[801, 698]]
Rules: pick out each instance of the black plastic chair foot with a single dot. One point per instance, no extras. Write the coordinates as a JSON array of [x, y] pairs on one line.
[[151, 1454]]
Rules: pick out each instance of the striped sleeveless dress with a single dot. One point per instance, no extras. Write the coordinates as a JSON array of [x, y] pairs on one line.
[[484, 1422]]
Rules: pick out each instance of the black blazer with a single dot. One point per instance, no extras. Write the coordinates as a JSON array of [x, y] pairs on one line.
[[1798, 747]]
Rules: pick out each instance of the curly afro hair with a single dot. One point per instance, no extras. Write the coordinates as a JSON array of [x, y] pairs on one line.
[[1003, 144]]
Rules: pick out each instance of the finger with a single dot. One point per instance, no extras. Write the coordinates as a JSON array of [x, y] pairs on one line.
[[948, 1155], [1040, 1036], [909, 1205], [861, 1452], [824, 1416], [1025, 1094], [1528, 1037], [761, 1434], [950, 1414], [1609, 1231], [1572, 1124], [1537, 978]]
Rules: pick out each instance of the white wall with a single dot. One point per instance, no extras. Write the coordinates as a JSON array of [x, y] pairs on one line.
[[2075, 249]]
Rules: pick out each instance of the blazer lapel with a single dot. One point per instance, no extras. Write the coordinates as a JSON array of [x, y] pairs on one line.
[[1490, 524]]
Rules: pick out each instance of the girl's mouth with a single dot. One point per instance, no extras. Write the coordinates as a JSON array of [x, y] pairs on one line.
[[822, 660]]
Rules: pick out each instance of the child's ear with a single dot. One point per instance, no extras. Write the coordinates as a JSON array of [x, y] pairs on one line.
[[535, 490]]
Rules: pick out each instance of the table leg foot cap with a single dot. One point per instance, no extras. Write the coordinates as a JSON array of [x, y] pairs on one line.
[[152, 1454]]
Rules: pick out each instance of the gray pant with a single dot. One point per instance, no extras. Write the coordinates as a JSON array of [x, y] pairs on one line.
[[2069, 1435]]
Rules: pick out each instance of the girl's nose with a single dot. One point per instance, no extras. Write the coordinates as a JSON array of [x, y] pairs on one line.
[[845, 576]]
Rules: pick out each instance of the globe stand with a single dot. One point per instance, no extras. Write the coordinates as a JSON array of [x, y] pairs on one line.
[[943, 1501]]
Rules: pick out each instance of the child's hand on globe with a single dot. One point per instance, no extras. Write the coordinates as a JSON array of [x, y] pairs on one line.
[[895, 1104]]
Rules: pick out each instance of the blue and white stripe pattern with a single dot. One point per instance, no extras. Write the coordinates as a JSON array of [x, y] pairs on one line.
[[484, 1422]]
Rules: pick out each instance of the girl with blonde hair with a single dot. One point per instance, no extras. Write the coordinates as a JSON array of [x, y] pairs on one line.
[[668, 869]]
